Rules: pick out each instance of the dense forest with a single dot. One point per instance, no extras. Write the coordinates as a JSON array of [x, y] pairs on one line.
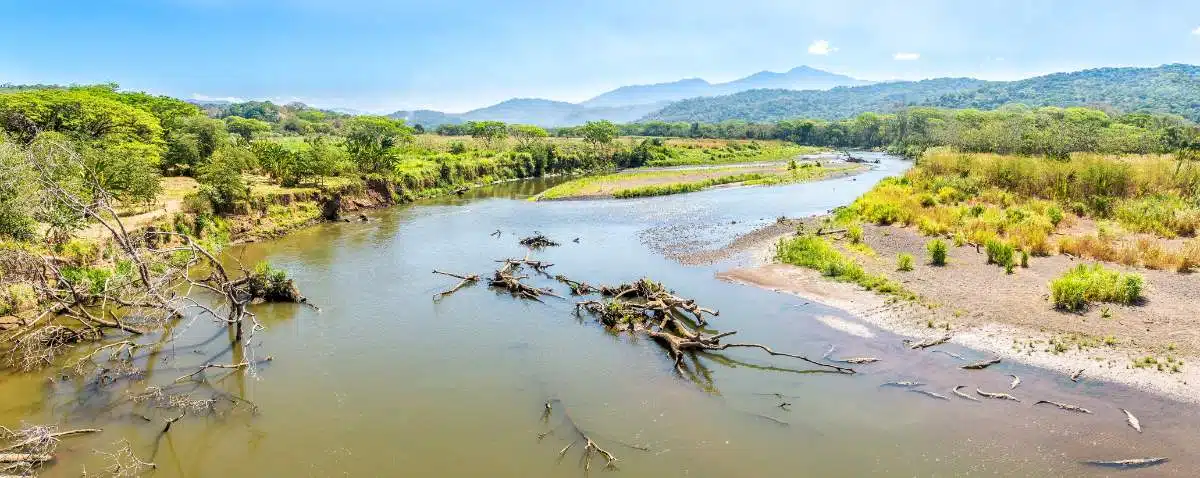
[[1014, 129], [1169, 89]]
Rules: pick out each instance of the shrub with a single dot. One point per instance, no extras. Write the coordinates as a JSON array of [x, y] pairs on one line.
[[999, 252], [271, 284], [1189, 256], [854, 232], [1095, 283], [1024, 258], [1055, 214], [937, 252], [904, 262]]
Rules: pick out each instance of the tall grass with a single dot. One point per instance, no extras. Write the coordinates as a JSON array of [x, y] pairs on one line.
[[814, 252], [1094, 283], [1023, 201]]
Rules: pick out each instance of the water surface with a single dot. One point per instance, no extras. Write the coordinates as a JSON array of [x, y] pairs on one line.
[[384, 381]]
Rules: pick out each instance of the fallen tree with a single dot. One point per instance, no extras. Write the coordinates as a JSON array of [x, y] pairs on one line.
[[646, 307]]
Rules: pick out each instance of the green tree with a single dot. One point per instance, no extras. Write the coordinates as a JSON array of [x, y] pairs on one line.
[[527, 135], [371, 141], [245, 128], [190, 141], [276, 160], [600, 134], [18, 189], [488, 131], [221, 179]]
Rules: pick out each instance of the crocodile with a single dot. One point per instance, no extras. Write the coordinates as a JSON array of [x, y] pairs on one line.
[[1065, 406], [981, 365], [963, 395], [903, 384], [1130, 463], [924, 344], [927, 393], [1132, 420], [999, 396]]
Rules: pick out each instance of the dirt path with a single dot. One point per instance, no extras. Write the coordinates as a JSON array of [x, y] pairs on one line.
[[169, 202], [1009, 315]]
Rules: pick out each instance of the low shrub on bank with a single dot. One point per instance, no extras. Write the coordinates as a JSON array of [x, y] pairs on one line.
[[999, 253], [937, 252], [1094, 283], [904, 262], [814, 252]]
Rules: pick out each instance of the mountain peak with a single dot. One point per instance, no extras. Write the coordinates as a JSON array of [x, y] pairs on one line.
[[799, 78]]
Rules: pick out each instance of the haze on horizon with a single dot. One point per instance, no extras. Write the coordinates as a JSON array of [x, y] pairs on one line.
[[379, 56]]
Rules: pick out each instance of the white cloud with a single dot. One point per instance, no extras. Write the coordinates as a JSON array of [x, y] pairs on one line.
[[903, 56], [231, 99], [821, 47], [1196, 31]]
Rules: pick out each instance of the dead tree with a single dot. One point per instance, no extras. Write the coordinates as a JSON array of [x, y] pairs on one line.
[[502, 279], [646, 308], [464, 280], [577, 288], [570, 430], [142, 300]]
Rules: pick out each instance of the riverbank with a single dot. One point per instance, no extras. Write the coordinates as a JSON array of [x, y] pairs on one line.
[[982, 307]]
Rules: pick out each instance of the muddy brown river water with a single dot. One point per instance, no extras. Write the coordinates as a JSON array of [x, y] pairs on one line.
[[383, 381]]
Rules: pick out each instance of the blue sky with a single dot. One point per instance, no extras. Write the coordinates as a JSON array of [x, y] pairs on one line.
[[452, 55]]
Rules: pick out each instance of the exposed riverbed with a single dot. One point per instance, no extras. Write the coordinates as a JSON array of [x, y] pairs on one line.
[[383, 381]]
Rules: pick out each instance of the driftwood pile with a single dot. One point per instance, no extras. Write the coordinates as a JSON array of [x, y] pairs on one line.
[[643, 307]]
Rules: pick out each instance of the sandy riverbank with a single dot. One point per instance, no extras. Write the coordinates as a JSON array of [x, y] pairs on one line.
[[1007, 315]]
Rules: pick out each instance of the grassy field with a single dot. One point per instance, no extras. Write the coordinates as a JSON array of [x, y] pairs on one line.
[[693, 152], [1136, 210]]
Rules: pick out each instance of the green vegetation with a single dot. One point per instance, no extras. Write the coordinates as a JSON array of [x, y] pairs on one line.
[[1095, 283], [1020, 202], [1166, 89], [814, 252], [937, 252], [904, 262], [676, 181], [999, 253], [678, 188]]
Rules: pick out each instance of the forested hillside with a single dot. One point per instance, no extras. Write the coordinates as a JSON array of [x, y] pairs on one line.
[[844, 102], [1173, 89]]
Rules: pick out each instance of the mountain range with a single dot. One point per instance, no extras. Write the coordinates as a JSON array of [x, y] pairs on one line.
[[629, 103], [1173, 89], [805, 92]]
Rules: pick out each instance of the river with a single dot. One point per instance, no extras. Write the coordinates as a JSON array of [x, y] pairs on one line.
[[384, 381]]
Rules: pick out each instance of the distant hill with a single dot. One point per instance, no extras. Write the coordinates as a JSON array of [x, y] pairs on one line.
[[1171, 89], [799, 78], [841, 102], [531, 111], [426, 117], [628, 103]]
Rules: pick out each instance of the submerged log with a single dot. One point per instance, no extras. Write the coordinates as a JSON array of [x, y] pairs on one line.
[[464, 280]]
